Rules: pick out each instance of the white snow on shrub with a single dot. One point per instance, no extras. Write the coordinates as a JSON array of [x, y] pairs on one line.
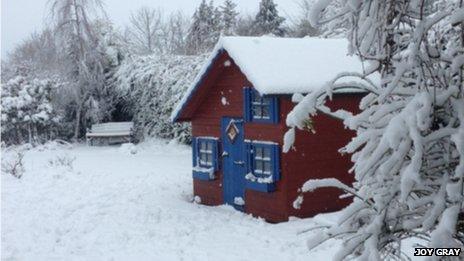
[[153, 85]]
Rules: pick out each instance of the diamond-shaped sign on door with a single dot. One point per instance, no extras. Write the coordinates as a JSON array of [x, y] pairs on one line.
[[232, 131]]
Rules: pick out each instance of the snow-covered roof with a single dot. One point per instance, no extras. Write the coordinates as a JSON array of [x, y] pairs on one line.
[[283, 65]]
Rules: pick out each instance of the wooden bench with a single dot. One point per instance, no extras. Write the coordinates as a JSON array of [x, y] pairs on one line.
[[110, 133]]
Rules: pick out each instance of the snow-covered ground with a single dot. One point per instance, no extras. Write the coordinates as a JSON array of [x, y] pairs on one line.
[[115, 205]]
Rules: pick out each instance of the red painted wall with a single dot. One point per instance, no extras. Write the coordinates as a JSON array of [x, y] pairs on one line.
[[206, 120], [315, 156]]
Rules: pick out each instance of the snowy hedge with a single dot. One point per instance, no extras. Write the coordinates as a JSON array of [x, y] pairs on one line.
[[152, 85]]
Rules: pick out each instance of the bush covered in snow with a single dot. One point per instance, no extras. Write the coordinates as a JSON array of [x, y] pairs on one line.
[[152, 85], [27, 111], [12, 162]]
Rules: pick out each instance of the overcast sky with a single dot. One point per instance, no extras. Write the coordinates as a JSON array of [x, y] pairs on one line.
[[20, 18]]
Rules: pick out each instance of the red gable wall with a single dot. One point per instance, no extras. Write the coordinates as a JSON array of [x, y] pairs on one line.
[[315, 156], [206, 121]]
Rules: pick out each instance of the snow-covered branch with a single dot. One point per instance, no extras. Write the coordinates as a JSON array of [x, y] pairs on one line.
[[407, 153]]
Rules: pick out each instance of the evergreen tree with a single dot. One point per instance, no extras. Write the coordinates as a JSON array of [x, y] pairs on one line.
[[205, 29], [216, 24], [229, 17], [268, 21]]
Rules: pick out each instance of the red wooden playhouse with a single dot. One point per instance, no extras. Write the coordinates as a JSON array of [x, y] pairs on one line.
[[238, 105]]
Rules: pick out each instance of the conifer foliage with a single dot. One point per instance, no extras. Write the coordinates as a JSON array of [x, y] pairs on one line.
[[267, 20], [205, 28], [229, 17]]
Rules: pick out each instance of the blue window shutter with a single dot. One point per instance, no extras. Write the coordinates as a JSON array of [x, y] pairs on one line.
[[215, 155], [194, 151], [276, 162], [247, 104], [248, 157]]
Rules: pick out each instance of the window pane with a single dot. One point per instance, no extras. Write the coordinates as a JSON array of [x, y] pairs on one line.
[[210, 160], [258, 152], [265, 112], [203, 145], [203, 158], [258, 166], [209, 146], [267, 167], [257, 111], [267, 153], [266, 101]]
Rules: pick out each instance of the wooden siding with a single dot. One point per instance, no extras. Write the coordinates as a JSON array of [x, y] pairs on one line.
[[316, 156]]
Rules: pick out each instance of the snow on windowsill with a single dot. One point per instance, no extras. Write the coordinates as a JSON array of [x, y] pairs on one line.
[[253, 178], [209, 171], [261, 142], [207, 137]]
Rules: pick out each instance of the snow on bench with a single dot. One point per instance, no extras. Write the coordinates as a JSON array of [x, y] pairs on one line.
[[110, 132]]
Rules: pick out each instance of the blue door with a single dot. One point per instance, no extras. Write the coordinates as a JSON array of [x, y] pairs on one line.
[[233, 156]]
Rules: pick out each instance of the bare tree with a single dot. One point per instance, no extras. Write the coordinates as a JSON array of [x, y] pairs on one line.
[[38, 51], [146, 29], [175, 33]]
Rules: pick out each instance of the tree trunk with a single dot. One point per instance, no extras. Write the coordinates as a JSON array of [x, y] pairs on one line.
[[81, 56], [35, 134], [78, 121], [19, 135], [29, 132]]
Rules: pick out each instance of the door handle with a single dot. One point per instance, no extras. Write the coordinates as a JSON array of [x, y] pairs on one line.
[[239, 162]]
